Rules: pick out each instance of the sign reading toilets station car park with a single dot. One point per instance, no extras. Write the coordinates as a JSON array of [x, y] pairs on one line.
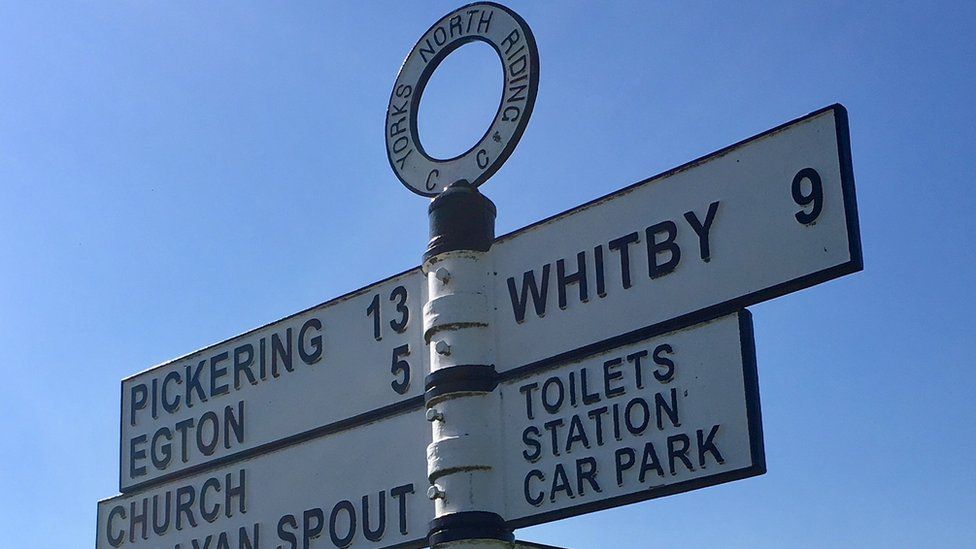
[[601, 357]]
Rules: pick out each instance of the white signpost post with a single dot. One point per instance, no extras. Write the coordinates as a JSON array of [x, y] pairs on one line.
[[597, 358]]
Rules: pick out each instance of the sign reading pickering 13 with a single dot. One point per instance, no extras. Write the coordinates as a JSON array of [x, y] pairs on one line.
[[511, 38]]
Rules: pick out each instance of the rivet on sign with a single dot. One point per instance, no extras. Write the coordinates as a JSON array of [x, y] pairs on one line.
[[443, 275], [442, 347], [433, 414], [434, 492]]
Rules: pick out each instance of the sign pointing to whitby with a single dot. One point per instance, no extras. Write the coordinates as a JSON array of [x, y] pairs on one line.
[[614, 335]]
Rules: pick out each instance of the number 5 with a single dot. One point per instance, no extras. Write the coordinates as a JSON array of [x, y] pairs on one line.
[[399, 367]]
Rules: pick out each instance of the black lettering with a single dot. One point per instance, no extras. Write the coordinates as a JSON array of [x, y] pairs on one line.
[[597, 416], [207, 448], [375, 534], [588, 398], [701, 229], [193, 384], [313, 521], [517, 66], [650, 462], [637, 429], [161, 455], [316, 342], [160, 528], [171, 406], [440, 36], [137, 454], [428, 50], [182, 427], [214, 512], [529, 498], [533, 443], [678, 452], [234, 423], [707, 445], [587, 473], [242, 365], [579, 278], [576, 434], [527, 391], [511, 113], [622, 245], [113, 539], [400, 492], [560, 483], [511, 40], [553, 407], [217, 373], [403, 159], [539, 294], [431, 176], [552, 427], [611, 373], [601, 285], [232, 492], [404, 90], [623, 465], [455, 22], [281, 350], [138, 400], [283, 535], [400, 110], [638, 371], [671, 410], [345, 540], [245, 541], [185, 496], [654, 248], [485, 22], [668, 373], [396, 128], [139, 520]]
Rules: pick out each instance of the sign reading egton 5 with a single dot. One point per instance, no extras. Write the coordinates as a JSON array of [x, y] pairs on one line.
[[663, 415], [290, 379]]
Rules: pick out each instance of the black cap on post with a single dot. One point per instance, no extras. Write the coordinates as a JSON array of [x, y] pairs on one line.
[[461, 218]]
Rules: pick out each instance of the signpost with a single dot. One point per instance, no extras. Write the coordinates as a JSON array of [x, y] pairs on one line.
[[656, 417], [662, 415], [288, 381], [597, 358], [361, 487], [771, 215]]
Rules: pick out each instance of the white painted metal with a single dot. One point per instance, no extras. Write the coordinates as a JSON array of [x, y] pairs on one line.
[[286, 490], [353, 376], [710, 390], [508, 35], [461, 457], [756, 243]]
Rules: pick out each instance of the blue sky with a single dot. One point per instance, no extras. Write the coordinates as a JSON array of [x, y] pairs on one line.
[[173, 174]]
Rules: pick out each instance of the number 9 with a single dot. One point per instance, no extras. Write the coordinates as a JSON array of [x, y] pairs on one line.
[[815, 196]]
